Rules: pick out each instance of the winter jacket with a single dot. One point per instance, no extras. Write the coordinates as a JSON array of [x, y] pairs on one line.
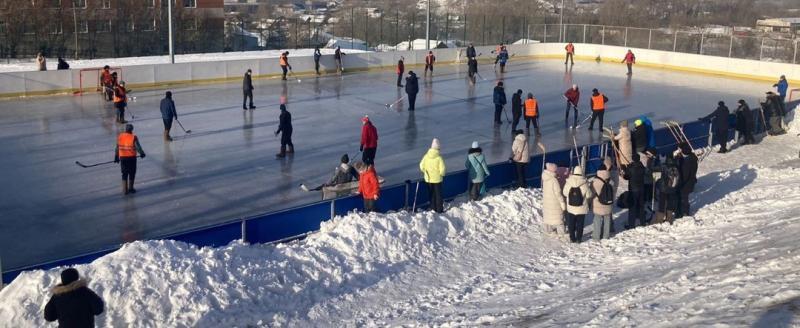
[[503, 56], [369, 136], [634, 173], [337, 54], [42, 63], [630, 58], [471, 52], [476, 166], [401, 68], [597, 186], [285, 122], [432, 166], [473, 66], [553, 205], [412, 84], [782, 86], [499, 96], [667, 193], [649, 166], [573, 96], [719, 120], [640, 139], [520, 150], [247, 83], [775, 106], [623, 139], [73, 305], [688, 168], [168, 109], [651, 134], [62, 65], [516, 105], [344, 173], [368, 184], [744, 119], [317, 55], [577, 180]]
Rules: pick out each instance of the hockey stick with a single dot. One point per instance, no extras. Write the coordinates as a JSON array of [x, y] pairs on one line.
[[508, 120], [395, 102], [584, 121], [544, 153], [292, 74], [416, 192], [182, 128], [93, 165]]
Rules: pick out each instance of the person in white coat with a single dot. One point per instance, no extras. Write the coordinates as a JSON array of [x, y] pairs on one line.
[[578, 194], [624, 144], [553, 204], [520, 155]]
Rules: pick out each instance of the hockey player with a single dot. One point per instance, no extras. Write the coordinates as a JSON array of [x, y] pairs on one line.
[[630, 60], [516, 109], [125, 154], [401, 68], [317, 57], [570, 48], [285, 126], [412, 89], [168, 113], [502, 57], [532, 115]]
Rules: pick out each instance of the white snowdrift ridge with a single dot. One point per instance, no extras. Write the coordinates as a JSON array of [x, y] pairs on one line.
[[734, 263]]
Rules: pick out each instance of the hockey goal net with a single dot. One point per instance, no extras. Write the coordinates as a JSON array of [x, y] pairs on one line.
[[90, 80]]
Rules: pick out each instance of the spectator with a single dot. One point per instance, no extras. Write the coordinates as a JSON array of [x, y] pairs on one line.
[[73, 304], [578, 194], [433, 170], [478, 171], [41, 61], [368, 186], [553, 205], [520, 155]]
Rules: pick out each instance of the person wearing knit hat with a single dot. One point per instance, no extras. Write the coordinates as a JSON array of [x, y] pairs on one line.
[[577, 192], [344, 173], [744, 123], [412, 89], [719, 121], [73, 304], [285, 126], [369, 141], [433, 170], [687, 165], [477, 169]]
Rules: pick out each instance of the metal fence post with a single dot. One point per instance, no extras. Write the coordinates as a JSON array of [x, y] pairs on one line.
[[545, 33], [333, 209], [603, 35], [675, 43], [626, 37], [584, 33], [794, 59], [730, 48], [244, 231], [702, 39], [649, 38], [761, 53]]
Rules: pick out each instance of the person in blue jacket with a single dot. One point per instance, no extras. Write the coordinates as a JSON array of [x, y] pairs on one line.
[[782, 86], [651, 135], [503, 59]]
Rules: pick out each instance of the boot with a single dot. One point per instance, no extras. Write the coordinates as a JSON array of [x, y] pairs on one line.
[[124, 187], [538, 134], [166, 136], [280, 155], [290, 150], [527, 132], [130, 187]]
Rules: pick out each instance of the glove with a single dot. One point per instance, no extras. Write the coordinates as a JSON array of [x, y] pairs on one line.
[[116, 159], [143, 155], [361, 148], [376, 197]]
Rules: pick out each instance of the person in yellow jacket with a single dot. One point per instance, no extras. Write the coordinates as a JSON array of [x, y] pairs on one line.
[[433, 169]]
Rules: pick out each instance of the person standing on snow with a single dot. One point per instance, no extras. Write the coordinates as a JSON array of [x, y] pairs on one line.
[[429, 60], [478, 171], [317, 57], [368, 186], [598, 105], [520, 156], [120, 101], [624, 144], [719, 121], [412, 89], [687, 164], [572, 96], [635, 173], [168, 113], [604, 191], [73, 304], [433, 170], [553, 205], [247, 88], [639, 136], [577, 192], [783, 87], [630, 60], [499, 99], [284, 62], [41, 61], [401, 68], [516, 109], [344, 173], [285, 126], [774, 111], [570, 48], [369, 141], [532, 115], [125, 154], [744, 123], [667, 189]]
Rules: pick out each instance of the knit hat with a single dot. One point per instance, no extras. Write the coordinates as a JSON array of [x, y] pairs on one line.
[[721, 103], [345, 158], [685, 148], [365, 119], [635, 157], [129, 128], [435, 144], [551, 167], [475, 144], [638, 122], [283, 107], [69, 276]]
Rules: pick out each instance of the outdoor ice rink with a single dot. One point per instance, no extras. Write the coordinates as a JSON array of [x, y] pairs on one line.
[[226, 169]]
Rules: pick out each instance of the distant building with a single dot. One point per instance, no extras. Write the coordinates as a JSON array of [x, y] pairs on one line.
[[779, 25]]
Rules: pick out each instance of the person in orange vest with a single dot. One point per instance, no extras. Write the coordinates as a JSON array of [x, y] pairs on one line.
[[120, 101], [629, 60], [401, 68], [429, 60], [107, 82], [570, 48], [598, 105], [368, 186], [285, 67], [531, 115], [125, 154]]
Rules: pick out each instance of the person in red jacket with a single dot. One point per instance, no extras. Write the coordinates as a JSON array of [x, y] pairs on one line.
[[573, 95], [369, 141], [401, 68], [629, 60], [429, 60], [368, 186]]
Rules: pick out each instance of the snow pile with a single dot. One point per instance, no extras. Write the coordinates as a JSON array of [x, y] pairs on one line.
[[735, 262], [17, 65]]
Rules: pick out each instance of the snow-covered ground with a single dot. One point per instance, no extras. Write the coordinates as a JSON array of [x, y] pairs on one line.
[[29, 64], [736, 262]]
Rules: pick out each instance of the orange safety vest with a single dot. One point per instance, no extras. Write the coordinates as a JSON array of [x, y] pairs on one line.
[[283, 60], [126, 145], [598, 102], [119, 94], [531, 108], [570, 48]]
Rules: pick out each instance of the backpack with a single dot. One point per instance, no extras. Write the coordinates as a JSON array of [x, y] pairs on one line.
[[670, 180], [575, 196], [624, 200], [606, 194]]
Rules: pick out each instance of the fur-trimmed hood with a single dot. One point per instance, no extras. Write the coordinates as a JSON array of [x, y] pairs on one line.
[[70, 287]]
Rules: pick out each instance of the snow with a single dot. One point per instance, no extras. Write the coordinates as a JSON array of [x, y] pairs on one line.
[[734, 263], [17, 65]]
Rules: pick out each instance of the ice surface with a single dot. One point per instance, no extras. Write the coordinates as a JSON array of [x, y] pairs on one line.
[[734, 263], [226, 168]]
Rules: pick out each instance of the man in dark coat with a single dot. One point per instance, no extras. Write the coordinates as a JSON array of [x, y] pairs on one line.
[[744, 122], [634, 173], [412, 88], [774, 111], [73, 304], [472, 69], [516, 109], [719, 122], [687, 165], [639, 136], [247, 87], [285, 126], [471, 52], [499, 98], [168, 113]]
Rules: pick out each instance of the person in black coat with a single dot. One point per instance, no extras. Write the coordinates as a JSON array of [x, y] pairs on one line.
[[499, 99], [472, 69], [744, 123], [639, 137], [73, 304], [516, 109], [719, 121], [634, 173], [667, 189], [285, 126], [412, 88], [687, 165], [62, 64], [471, 52], [247, 87], [168, 113]]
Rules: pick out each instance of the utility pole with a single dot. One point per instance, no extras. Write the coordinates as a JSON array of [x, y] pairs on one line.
[[169, 31], [428, 27], [561, 23], [75, 22]]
